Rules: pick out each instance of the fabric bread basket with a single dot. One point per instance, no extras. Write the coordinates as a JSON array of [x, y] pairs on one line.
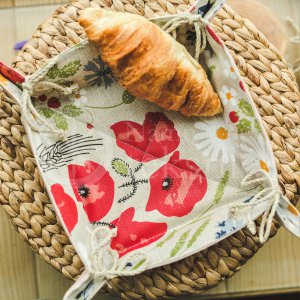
[[136, 186]]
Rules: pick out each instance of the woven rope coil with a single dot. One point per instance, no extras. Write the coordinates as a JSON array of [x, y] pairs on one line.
[[22, 192]]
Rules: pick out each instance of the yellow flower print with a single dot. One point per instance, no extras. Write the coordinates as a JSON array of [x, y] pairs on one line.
[[229, 70], [222, 133], [228, 96], [216, 139]]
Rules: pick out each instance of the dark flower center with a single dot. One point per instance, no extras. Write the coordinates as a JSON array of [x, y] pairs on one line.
[[84, 191], [167, 183]]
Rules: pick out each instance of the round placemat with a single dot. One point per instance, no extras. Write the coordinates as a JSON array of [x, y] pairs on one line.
[[22, 192]]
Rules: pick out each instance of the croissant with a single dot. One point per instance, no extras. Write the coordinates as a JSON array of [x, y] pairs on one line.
[[149, 63]]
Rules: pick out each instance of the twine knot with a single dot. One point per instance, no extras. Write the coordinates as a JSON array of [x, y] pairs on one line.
[[36, 82], [105, 261], [270, 195], [196, 20]]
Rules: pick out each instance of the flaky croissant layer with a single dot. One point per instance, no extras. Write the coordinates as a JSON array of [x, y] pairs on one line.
[[149, 63]]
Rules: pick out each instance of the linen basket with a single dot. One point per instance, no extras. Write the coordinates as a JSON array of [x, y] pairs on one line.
[[273, 88]]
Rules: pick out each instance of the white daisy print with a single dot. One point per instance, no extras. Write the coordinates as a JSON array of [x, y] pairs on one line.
[[79, 98], [254, 154], [216, 139], [229, 70], [228, 96]]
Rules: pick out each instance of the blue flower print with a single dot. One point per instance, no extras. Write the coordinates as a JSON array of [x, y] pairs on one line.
[[227, 226], [99, 73]]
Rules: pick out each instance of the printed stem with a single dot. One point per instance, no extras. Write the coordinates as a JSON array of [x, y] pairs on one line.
[[134, 187], [91, 115], [128, 196], [128, 183], [142, 181], [104, 107], [138, 167]]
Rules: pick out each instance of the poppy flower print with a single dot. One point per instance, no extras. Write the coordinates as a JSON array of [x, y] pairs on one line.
[[94, 187], [176, 187], [155, 138], [66, 205], [132, 235]]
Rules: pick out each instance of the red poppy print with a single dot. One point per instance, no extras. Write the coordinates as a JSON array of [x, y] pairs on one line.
[[11, 74], [176, 187], [94, 187], [132, 235], [66, 205], [155, 138], [214, 36]]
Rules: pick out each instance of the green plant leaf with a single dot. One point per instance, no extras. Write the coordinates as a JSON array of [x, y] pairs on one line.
[[70, 69], [243, 126], [221, 187], [53, 72], [127, 98], [246, 108], [180, 243], [197, 233], [46, 112], [138, 264], [60, 121], [120, 166], [170, 236], [257, 126], [72, 110], [211, 70]]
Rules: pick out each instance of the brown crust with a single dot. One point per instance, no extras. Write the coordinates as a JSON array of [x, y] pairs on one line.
[[150, 64]]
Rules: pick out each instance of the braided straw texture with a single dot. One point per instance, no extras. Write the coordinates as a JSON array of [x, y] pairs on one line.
[[23, 194]]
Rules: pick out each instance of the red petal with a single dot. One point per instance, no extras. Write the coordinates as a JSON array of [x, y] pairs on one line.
[[176, 187], [156, 138], [144, 233], [66, 206], [242, 86], [94, 187]]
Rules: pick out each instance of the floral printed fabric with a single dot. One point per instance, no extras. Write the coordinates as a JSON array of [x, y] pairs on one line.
[[161, 180]]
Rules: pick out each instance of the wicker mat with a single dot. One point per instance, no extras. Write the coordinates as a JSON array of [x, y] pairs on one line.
[[22, 192]]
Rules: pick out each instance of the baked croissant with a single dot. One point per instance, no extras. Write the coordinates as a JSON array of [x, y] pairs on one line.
[[149, 63]]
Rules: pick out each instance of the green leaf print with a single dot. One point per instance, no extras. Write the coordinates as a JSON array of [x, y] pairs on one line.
[[72, 110], [221, 187], [243, 126], [120, 166], [46, 112], [257, 126], [246, 108], [60, 121], [127, 98], [170, 236], [53, 72], [211, 70], [197, 233], [180, 243], [70, 69], [138, 264]]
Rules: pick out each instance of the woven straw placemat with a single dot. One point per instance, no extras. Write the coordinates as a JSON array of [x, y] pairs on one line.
[[22, 192]]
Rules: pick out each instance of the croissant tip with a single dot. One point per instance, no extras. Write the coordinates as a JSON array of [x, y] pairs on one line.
[[89, 15]]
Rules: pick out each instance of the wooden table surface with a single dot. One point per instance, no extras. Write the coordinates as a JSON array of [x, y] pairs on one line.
[[24, 276]]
